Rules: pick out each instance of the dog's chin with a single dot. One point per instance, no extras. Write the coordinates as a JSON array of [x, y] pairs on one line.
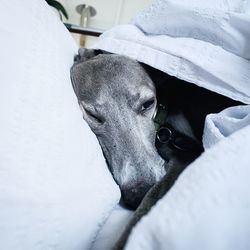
[[132, 195], [129, 206]]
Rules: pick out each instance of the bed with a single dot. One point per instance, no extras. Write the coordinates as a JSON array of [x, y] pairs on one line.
[[56, 191]]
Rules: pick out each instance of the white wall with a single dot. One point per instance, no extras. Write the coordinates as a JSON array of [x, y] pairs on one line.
[[109, 13]]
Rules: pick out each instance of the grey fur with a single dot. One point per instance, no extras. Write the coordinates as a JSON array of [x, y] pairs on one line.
[[111, 91]]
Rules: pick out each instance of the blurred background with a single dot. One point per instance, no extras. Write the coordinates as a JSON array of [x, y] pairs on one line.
[[92, 17]]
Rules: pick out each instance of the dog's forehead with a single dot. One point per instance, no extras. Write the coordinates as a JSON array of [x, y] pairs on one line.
[[111, 77]]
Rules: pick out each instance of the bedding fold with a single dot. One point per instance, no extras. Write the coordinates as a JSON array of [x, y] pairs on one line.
[[55, 187], [205, 43]]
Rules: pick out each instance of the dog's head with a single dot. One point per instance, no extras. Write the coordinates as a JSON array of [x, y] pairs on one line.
[[118, 100]]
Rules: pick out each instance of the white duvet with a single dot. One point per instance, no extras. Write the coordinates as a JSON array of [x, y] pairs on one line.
[[205, 43], [55, 188]]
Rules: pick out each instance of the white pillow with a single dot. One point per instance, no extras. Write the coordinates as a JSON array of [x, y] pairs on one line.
[[55, 188]]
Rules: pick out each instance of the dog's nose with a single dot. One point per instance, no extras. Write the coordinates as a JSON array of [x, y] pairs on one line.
[[133, 195]]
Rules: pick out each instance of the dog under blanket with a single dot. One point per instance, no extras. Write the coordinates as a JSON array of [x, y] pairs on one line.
[[207, 45], [118, 98]]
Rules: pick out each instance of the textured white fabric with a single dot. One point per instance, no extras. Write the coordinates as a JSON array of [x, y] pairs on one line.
[[222, 23], [112, 229], [219, 126], [55, 188], [195, 53], [205, 43], [209, 206]]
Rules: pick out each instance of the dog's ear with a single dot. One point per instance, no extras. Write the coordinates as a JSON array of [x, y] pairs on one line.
[[86, 54]]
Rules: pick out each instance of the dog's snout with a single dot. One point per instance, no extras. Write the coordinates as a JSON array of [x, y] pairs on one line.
[[133, 195]]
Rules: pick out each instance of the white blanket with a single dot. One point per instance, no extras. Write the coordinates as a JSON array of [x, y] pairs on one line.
[[55, 187], [205, 43]]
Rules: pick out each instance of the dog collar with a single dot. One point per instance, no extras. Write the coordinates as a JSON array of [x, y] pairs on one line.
[[160, 116], [167, 135]]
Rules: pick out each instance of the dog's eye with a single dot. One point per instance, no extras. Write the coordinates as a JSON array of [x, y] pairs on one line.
[[147, 105], [94, 117]]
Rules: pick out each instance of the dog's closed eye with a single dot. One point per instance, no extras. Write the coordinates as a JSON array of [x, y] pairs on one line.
[[94, 117], [91, 115]]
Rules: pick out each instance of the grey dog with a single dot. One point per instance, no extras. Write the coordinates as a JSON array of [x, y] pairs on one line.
[[118, 99]]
